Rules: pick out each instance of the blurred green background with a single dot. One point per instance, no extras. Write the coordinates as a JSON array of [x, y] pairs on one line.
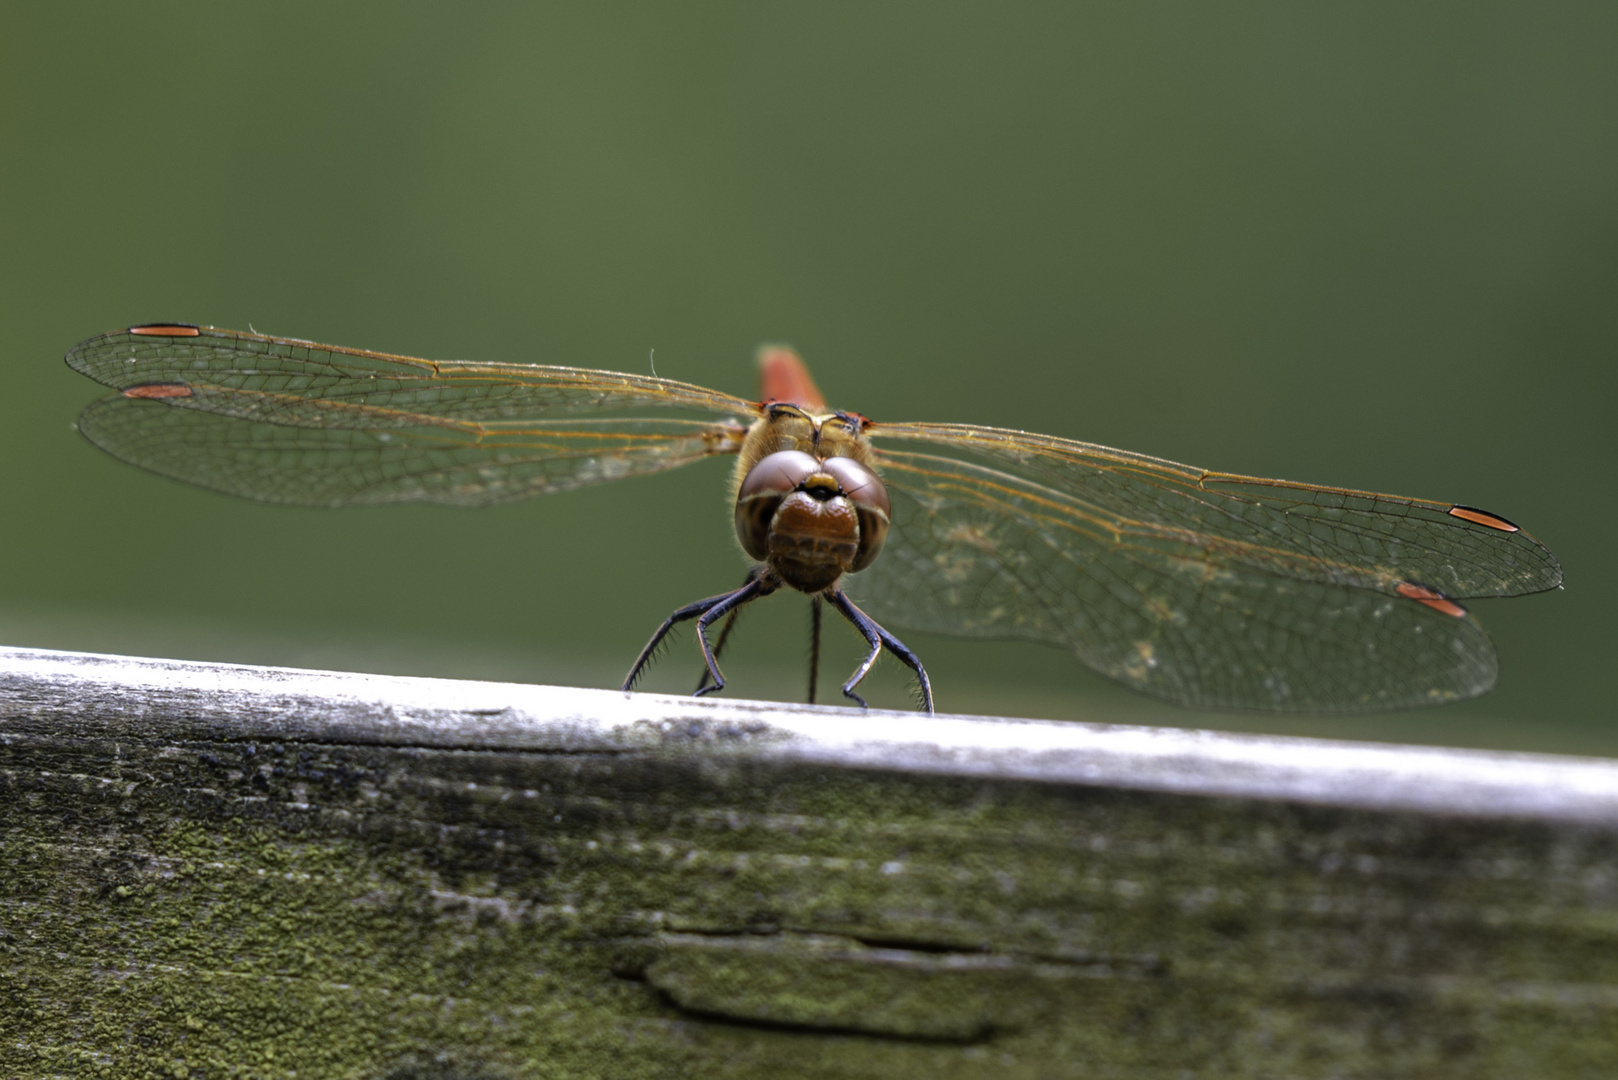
[[1373, 246]]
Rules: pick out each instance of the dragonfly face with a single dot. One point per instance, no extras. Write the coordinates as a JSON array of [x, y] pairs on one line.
[[1205, 588], [814, 512]]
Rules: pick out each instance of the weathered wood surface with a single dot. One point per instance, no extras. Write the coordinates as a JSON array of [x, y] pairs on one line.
[[217, 871]]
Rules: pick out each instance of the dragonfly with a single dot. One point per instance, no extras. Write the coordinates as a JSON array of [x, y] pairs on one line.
[[1207, 589]]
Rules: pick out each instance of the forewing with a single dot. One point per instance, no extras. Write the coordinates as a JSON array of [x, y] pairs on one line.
[[286, 381], [1183, 590], [1301, 531], [290, 422]]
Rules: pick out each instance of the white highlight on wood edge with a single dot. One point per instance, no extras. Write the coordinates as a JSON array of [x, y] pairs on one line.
[[183, 698]]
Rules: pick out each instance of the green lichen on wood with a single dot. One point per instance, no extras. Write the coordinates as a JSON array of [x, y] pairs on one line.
[[252, 909]]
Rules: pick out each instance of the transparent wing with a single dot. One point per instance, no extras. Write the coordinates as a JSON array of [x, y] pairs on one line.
[[1304, 531], [284, 421], [286, 381], [1206, 589]]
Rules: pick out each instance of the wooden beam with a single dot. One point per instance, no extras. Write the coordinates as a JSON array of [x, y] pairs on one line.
[[212, 870]]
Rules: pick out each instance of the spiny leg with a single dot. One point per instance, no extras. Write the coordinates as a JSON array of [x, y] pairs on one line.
[[909, 660], [752, 590], [718, 649], [866, 627], [814, 646], [697, 610], [724, 636], [878, 638]]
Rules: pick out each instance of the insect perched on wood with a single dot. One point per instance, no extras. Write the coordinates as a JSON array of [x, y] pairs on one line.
[[1205, 588]]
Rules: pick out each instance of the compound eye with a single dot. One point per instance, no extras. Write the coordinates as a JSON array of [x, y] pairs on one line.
[[775, 477], [778, 474], [864, 489], [860, 485]]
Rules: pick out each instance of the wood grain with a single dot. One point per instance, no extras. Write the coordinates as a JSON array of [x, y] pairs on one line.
[[221, 871]]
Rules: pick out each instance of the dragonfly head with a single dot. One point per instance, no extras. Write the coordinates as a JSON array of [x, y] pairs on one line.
[[810, 519]]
